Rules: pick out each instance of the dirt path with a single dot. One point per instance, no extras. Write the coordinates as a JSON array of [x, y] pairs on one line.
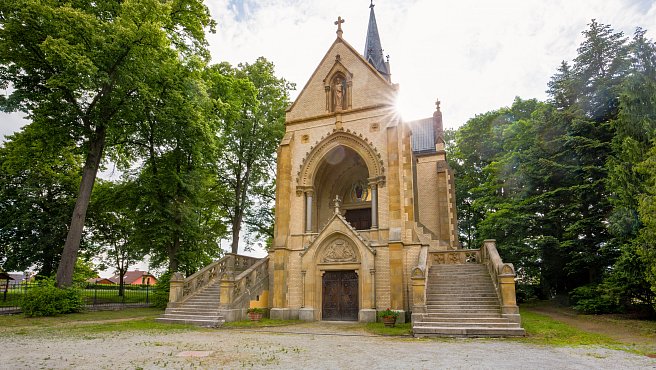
[[617, 327]]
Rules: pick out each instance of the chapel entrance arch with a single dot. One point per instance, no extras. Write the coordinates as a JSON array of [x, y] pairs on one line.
[[344, 167]]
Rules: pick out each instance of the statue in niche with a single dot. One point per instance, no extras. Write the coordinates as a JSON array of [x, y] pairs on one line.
[[339, 92], [339, 251]]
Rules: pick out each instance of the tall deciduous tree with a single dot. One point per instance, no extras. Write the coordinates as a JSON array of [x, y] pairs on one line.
[[113, 227], [250, 111], [39, 174], [79, 66]]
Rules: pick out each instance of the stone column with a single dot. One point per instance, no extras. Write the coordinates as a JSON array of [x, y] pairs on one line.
[[176, 290], [374, 205], [308, 211]]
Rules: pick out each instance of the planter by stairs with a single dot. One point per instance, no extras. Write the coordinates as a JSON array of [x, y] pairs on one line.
[[461, 301], [201, 309]]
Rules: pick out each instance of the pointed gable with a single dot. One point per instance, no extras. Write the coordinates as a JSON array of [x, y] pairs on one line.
[[366, 87], [335, 227]]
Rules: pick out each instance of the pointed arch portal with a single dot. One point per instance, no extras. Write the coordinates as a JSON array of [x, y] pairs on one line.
[[346, 166]]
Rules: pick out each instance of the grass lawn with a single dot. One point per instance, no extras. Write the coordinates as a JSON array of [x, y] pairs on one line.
[[541, 329], [380, 329], [260, 324], [87, 323], [636, 336]]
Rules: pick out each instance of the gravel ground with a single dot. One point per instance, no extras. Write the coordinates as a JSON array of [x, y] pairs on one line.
[[306, 346]]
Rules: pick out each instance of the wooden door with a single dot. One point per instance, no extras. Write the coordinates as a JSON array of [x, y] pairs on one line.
[[340, 296]]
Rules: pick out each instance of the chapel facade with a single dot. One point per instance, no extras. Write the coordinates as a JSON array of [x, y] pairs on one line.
[[362, 196]]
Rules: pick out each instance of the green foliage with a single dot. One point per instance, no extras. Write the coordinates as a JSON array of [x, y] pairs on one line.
[[250, 103], [593, 299], [558, 184], [388, 313], [256, 310], [39, 176], [84, 270], [48, 300], [83, 70], [161, 294]]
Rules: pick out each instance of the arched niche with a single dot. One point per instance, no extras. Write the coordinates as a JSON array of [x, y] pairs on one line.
[[338, 86]]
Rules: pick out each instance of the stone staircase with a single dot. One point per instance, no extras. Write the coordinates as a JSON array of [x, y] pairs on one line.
[[461, 301], [201, 309]]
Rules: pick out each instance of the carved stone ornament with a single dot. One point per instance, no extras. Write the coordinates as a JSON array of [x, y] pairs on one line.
[[339, 251]]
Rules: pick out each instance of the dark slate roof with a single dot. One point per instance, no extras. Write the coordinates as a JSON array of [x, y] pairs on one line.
[[423, 135], [373, 50]]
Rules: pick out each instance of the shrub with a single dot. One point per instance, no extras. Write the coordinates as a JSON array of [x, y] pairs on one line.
[[256, 310], [388, 313], [593, 299], [161, 293], [48, 300]]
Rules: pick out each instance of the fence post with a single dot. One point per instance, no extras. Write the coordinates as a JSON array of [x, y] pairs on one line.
[[147, 286], [95, 294]]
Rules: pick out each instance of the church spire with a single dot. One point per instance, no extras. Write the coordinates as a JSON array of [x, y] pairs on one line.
[[373, 50]]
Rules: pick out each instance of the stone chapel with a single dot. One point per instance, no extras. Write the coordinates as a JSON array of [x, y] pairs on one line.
[[359, 191], [365, 219]]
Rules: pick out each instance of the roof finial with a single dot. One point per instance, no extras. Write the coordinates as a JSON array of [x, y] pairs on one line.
[[437, 105], [339, 22], [372, 4]]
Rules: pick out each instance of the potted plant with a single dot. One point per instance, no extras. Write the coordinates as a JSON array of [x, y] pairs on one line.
[[255, 313], [389, 317]]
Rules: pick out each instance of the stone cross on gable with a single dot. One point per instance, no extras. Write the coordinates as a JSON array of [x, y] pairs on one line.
[[338, 23], [337, 203], [437, 104]]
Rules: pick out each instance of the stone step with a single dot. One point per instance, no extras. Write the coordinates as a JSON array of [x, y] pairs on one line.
[[202, 300], [465, 324], [457, 315], [468, 332], [432, 318], [216, 316], [433, 309], [183, 310], [438, 296], [197, 322], [464, 306]]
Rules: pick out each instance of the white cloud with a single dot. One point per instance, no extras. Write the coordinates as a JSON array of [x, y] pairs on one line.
[[475, 56]]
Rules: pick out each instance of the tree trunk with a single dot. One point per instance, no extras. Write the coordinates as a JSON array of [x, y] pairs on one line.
[[69, 255], [236, 228], [121, 283]]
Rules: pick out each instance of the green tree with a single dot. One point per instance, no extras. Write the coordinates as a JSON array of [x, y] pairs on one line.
[[175, 190], [250, 110], [113, 227], [39, 174], [81, 66]]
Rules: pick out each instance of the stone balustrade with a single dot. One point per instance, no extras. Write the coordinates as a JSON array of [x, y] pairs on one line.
[[503, 277], [228, 267]]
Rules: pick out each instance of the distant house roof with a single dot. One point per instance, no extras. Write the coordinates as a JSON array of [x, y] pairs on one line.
[[132, 276], [423, 135], [99, 280]]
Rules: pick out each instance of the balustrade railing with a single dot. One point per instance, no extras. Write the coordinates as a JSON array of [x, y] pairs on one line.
[[502, 274], [225, 268], [248, 284]]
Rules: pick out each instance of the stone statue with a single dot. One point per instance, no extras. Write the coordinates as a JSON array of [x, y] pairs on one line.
[[339, 94]]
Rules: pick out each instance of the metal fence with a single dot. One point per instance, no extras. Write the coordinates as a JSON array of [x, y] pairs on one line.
[[96, 296]]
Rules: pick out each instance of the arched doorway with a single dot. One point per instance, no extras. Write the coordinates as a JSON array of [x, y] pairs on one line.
[[343, 174]]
